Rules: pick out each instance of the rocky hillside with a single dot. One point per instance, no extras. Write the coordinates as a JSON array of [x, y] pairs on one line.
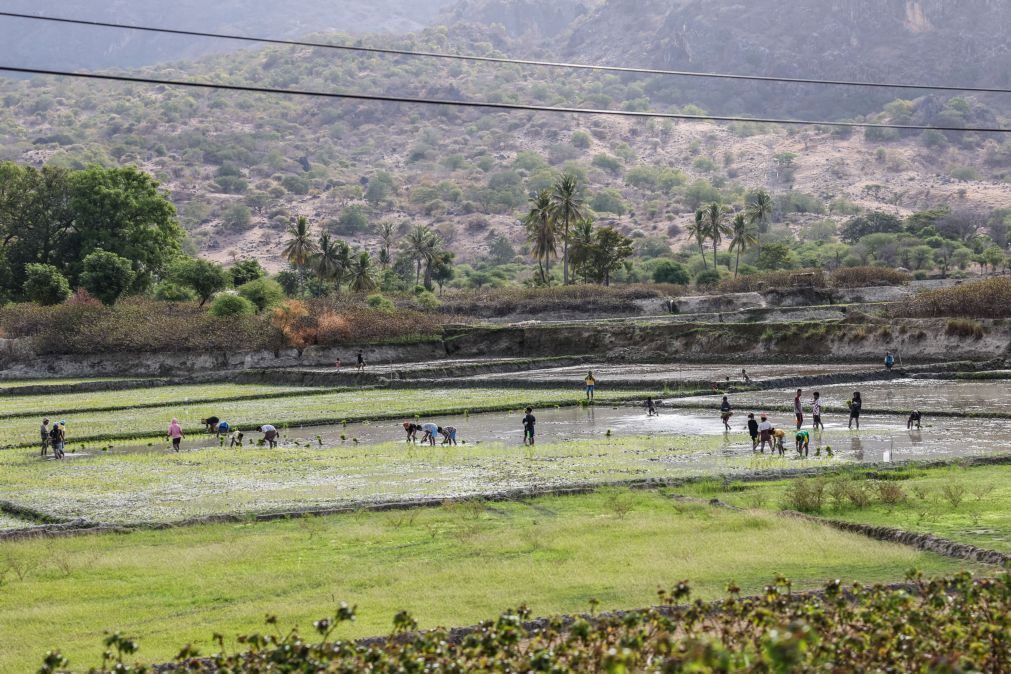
[[55, 45], [241, 166]]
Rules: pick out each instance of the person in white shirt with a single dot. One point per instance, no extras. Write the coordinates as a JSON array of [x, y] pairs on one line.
[[816, 411], [765, 434], [269, 435]]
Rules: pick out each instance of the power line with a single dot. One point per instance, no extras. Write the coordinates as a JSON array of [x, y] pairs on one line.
[[482, 104], [512, 61]]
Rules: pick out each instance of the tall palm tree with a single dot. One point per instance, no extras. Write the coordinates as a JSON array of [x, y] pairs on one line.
[[387, 230], [541, 232], [343, 258], [324, 262], [743, 236], [567, 205], [417, 245], [300, 248], [714, 221], [759, 210], [698, 231], [430, 253], [362, 276], [582, 247]]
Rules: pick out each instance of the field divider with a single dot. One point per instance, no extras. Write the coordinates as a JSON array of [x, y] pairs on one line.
[[942, 414], [198, 401], [509, 495], [345, 420]]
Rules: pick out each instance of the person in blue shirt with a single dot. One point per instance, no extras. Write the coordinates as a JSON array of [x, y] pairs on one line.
[[889, 360]]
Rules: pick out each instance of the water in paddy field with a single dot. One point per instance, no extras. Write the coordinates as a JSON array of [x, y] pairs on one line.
[[672, 372], [925, 395], [881, 438]]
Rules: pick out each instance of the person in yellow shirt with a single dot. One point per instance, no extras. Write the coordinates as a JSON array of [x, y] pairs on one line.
[[591, 383]]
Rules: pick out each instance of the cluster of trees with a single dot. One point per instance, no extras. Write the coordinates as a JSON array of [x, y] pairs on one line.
[[559, 216]]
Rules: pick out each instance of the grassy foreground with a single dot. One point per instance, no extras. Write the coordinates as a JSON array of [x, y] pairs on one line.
[[293, 411], [162, 486], [968, 505], [448, 566]]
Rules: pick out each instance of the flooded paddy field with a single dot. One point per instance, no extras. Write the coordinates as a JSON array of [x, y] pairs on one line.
[[925, 395]]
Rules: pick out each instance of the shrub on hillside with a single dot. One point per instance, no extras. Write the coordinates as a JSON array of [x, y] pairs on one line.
[[710, 278], [167, 291], [493, 302], [859, 277], [107, 275], [982, 299], [263, 292], [672, 273], [45, 284], [229, 305]]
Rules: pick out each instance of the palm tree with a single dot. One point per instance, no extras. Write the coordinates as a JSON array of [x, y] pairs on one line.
[[567, 206], [300, 248], [386, 234], [430, 253], [743, 236], [416, 246], [698, 231], [759, 210], [714, 221], [541, 232], [362, 276], [324, 262], [582, 247]]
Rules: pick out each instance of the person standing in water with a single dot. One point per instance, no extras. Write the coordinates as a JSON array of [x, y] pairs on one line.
[[816, 411], [175, 434], [360, 362], [856, 404], [798, 409], [726, 411], [753, 431], [889, 360], [591, 384], [528, 427], [650, 407], [44, 430]]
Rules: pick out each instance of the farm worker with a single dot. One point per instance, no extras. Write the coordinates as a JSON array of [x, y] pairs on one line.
[[915, 419], [431, 430], [650, 407], [338, 364], [765, 434], [803, 439], [753, 431], [175, 433], [269, 434], [236, 439], [448, 435], [528, 426], [211, 423], [223, 428], [856, 404], [591, 384], [44, 430], [726, 411], [816, 411], [411, 429], [778, 435], [58, 436], [361, 361], [889, 360], [798, 409]]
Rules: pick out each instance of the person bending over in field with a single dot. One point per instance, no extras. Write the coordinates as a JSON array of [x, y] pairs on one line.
[[803, 439], [211, 424], [269, 435], [224, 428], [411, 429], [430, 430], [236, 439], [778, 436], [914, 420], [448, 435]]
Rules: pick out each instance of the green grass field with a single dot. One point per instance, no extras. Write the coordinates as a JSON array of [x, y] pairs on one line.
[[20, 383], [162, 486], [969, 505], [71, 403], [294, 411], [448, 566]]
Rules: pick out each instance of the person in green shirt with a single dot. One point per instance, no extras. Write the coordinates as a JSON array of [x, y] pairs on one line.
[[803, 439]]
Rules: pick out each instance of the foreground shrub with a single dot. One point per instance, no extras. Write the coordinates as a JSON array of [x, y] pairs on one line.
[[263, 292], [859, 277], [983, 299], [380, 302], [964, 327], [940, 626], [229, 305], [45, 284], [671, 272], [707, 279], [107, 275], [168, 291]]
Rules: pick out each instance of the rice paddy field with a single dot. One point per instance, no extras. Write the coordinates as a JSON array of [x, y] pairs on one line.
[[452, 565], [461, 558]]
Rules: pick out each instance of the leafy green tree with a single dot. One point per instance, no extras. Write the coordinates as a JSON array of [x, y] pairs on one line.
[[876, 222], [707, 278], [669, 271], [775, 257], [500, 250], [567, 205], [106, 275], [610, 250], [247, 270], [228, 305], [442, 269], [237, 217], [45, 285], [381, 186], [120, 211], [352, 220], [263, 292], [205, 278]]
